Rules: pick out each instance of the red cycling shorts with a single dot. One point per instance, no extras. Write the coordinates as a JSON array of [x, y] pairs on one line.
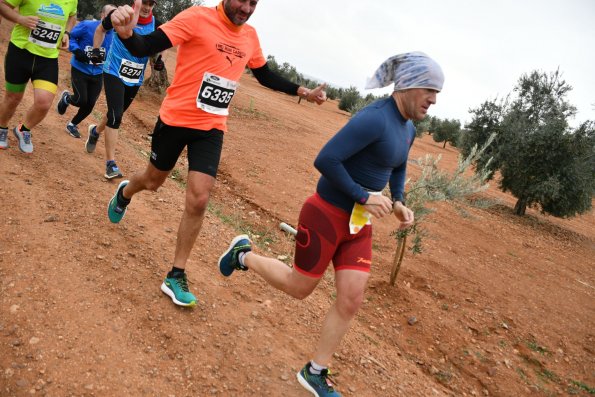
[[323, 235]]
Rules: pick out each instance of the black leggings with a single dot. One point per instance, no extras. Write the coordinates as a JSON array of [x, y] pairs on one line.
[[118, 96], [86, 91]]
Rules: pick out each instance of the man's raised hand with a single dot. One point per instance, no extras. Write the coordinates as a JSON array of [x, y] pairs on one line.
[[124, 19]]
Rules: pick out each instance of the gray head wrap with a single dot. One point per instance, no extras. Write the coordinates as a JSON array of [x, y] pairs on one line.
[[408, 70]]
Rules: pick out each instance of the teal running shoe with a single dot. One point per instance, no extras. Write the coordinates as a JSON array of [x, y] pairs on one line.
[[177, 289], [229, 261], [115, 210], [318, 385]]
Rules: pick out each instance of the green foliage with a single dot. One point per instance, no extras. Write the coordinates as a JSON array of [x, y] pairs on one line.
[[89, 8], [164, 10], [437, 185], [290, 73], [446, 131], [543, 162], [422, 126], [487, 121], [349, 99]]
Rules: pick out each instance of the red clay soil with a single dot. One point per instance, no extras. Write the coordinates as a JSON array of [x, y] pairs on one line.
[[504, 305]]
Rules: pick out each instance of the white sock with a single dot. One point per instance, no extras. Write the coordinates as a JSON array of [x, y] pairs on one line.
[[316, 369], [241, 256]]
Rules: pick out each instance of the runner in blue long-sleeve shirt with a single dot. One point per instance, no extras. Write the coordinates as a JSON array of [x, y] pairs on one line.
[[87, 77], [334, 224]]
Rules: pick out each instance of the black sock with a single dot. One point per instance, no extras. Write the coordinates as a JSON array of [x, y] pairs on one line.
[[122, 201], [3, 128], [176, 272], [24, 128]]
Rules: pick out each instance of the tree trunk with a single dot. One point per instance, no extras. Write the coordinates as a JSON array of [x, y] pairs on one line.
[[399, 252], [520, 207], [158, 80], [444, 146]]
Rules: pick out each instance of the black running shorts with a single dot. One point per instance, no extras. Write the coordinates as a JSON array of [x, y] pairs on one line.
[[204, 148], [20, 66]]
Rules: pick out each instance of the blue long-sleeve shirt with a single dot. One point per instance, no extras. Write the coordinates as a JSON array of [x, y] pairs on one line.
[[369, 151], [81, 38]]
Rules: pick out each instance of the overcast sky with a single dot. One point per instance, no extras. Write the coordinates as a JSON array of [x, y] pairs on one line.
[[482, 46]]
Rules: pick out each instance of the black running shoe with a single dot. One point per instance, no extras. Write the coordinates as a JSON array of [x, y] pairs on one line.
[[112, 171], [63, 102], [92, 138]]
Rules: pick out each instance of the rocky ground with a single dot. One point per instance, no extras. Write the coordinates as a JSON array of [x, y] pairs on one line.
[[496, 305]]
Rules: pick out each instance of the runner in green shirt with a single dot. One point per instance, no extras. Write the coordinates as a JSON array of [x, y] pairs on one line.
[[42, 28]]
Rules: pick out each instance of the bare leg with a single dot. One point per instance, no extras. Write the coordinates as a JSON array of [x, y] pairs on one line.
[[150, 179], [281, 276], [101, 125], [9, 106], [42, 102], [351, 285], [197, 198]]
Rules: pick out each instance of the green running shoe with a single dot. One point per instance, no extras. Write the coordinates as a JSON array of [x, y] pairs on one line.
[[177, 289], [115, 210], [318, 385]]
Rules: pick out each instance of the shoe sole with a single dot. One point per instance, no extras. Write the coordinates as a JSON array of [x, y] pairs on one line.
[[14, 131], [108, 177], [233, 242], [171, 294], [58, 105], [89, 137], [305, 384], [115, 197]]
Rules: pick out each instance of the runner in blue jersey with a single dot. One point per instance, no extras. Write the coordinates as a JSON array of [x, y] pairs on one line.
[[123, 74], [334, 224], [86, 76]]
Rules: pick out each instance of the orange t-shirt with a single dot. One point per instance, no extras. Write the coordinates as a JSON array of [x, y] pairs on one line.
[[212, 55]]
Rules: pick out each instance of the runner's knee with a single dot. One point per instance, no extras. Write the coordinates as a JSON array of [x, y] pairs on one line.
[[349, 303], [196, 202], [301, 293], [43, 103]]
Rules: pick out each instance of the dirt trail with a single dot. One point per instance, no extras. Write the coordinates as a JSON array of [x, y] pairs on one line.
[[504, 305]]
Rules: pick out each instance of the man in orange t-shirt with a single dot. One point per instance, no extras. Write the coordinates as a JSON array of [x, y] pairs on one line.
[[214, 47]]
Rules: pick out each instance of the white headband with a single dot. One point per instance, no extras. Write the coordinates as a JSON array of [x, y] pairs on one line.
[[408, 70]]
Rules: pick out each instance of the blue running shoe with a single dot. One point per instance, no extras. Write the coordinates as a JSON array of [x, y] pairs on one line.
[[115, 210], [73, 130], [318, 385], [177, 289], [229, 261]]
